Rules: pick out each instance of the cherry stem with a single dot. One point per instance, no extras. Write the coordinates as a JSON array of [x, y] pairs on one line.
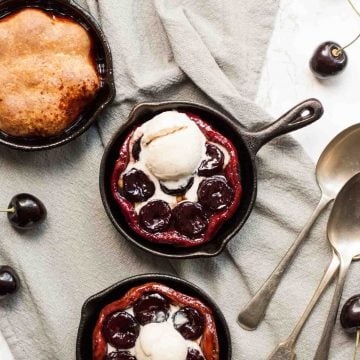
[[353, 7], [357, 343], [11, 210], [337, 52]]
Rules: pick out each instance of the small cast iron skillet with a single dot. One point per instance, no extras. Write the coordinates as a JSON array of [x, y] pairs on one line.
[[102, 57], [247, 144], [92, 307]]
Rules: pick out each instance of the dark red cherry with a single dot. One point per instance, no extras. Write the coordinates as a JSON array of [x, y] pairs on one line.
[[189, 323], [213, 163], [136, 149], [189, 219], [121, 330], [120, 355], [9, 281], [137, 186], [350, 314], [328, 60], [155, 216], [215, 193], [194, 354], [178, 191], [26, 211], [151, 308]]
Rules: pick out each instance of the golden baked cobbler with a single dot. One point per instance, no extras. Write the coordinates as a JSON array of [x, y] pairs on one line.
[[48, 74]]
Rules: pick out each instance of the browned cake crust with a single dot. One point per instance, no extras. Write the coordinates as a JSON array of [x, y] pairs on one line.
[[48, 75]]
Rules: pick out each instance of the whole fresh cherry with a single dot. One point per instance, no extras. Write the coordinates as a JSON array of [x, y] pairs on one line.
[[350, 318], [350, 314], [9, 281], [26, 211], [329, 59]]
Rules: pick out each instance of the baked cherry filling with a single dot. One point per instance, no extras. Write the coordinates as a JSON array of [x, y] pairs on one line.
[[177, 180], [189, 219], [155, 216], [136, 149], [189, 323], [121, 330], [152, 307], [137, 186], [215, 193], [164, 322], [121, 355], [194, 355], [180, 190], [213, 162]]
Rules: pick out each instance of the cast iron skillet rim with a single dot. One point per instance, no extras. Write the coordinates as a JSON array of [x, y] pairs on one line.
[[109, 83], [155, 277], [102, 181]]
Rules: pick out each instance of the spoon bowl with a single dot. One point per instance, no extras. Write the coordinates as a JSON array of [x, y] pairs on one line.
[[344, 222], [339, 161]]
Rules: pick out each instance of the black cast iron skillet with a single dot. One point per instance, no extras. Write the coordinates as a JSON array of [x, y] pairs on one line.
[[247, 144], [103, 59], [92, 307]]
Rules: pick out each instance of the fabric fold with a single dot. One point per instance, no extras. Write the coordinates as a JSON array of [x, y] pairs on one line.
[[209, 52]]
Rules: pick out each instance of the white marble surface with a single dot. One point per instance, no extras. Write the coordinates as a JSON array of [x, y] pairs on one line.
[[286, 79]]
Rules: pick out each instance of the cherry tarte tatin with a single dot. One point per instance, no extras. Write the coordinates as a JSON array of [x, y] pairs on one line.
[[152, 319], [190, 213]]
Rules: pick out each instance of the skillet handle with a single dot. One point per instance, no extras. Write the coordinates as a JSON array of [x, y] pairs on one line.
[[299, 116]]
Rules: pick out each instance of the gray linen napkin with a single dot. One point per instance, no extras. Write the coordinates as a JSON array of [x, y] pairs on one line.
[[204, 51]]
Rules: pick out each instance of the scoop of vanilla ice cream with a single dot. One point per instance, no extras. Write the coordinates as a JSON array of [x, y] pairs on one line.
[[172, 146], [160, 341]]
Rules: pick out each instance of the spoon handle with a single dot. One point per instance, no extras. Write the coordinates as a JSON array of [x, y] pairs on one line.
[[322, 351], [286, 350], [254, 312], [283, 351]]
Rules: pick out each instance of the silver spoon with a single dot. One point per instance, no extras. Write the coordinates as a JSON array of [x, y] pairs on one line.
[[338, 163], [286, 350], [344, 236]]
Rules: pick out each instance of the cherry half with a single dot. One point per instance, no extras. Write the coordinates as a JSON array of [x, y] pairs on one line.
[[350, 318], [155, 216], [213, 162], [137, 186], [9, 281], [26, 211], [189, 219], [215, 194], [329, 59], [120, 355], [189, 323], [121, 330], [136, 149], [151, 308], [181, 190], [194, 354]]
